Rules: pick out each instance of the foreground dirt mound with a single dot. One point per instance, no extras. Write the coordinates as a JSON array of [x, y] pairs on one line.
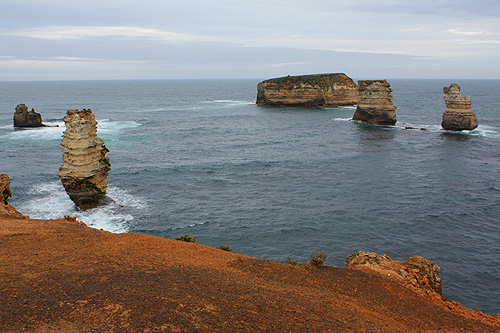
[[60, 275]]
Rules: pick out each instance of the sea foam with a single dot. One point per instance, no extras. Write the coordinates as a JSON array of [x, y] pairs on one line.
[[50, 201]]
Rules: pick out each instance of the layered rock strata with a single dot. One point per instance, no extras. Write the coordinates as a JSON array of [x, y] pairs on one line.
[[417, 271], [317, 90], [86, 166], [25, 118], [458, 115], [375, 103]]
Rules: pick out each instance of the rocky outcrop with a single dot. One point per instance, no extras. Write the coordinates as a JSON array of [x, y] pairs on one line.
[[375, 103], [86, 166], [417, 271], [317, 90], [5, 194], [458, 115], [25, 118]]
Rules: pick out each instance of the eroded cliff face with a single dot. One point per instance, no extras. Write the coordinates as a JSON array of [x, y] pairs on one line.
[[319, 90], [375, 103], [458, 115], [5, 194], [86, 166], [416, 272], [25, 118]]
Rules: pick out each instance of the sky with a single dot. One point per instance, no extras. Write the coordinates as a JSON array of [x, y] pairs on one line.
[[217, 39]]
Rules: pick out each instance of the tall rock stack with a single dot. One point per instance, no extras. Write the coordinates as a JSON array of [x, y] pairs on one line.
[[375, 103], [316, 90], [458, 115], [85, 166], [25, 118]]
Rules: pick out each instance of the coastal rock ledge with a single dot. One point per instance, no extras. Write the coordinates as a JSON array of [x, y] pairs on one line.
[[375, 103], [417, 272], [86, 166], [316, 90], [458, 115]]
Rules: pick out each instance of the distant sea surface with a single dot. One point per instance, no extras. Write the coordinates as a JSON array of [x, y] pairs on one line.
[[200, 158]]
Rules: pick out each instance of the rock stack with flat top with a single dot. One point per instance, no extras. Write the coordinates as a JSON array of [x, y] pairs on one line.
[[316, 90], [458, 115], [86, 166], [375, 103], [25, 118]]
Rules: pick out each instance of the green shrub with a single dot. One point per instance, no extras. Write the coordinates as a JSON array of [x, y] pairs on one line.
[[318, 259], [224, 248], [186, 238], [290, 261]]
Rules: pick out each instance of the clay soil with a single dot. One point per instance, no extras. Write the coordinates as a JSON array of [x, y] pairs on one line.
[[62, 276]]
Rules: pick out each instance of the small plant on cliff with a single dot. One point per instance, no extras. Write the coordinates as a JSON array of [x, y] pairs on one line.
[[224, 248], [291, 262], [318, 259], [186, 238]]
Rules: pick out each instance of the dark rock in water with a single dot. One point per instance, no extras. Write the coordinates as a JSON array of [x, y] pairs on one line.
[[25, 118], [86, 166], [458, 115], [375, 103], [316, 90]]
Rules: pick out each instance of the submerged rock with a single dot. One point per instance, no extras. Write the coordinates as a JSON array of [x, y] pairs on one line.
[[25, 118], [375, 103], [86, 166], [317, 90], [458, 115], [417, 271]]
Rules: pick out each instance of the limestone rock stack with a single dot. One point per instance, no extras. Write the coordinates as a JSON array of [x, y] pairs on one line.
[[317, 90], [375, 103], [25, 118], [458, 115], [86, 166]]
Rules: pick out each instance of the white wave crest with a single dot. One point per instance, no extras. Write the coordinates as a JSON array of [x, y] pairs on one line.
[[50, 201]]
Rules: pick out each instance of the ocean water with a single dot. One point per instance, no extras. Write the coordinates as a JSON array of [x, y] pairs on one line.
[[200, 158]]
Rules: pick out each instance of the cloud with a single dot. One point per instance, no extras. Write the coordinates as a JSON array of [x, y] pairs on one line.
[[288, 64], [81, 32]]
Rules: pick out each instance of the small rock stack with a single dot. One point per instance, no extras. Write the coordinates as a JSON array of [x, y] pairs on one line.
[[86, 166], [458, 115], [25, 118], [375, 103]]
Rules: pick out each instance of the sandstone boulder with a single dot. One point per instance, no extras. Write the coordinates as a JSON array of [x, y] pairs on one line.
[[375, 103], [25, 118], [417, 272], [85, 166], [317, 90], [458, 115]]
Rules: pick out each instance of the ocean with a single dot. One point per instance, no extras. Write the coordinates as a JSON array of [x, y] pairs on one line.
[[198, 157]]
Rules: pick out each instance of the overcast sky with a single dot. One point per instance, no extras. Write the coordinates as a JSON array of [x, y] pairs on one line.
[[164, 39]]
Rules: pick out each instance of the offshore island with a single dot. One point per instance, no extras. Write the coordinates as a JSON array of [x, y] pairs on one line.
[[63, 276]]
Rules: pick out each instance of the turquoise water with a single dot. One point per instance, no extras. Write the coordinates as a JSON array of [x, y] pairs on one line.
[[200, 158]]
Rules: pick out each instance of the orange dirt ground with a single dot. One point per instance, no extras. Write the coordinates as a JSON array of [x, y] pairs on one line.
[[62, 276]]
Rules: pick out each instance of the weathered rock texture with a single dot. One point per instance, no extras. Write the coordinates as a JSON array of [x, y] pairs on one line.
[[416, 271], [5, 193], [375, 103], [86, 166], [317, 90], [25, 118], [458, 115]]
